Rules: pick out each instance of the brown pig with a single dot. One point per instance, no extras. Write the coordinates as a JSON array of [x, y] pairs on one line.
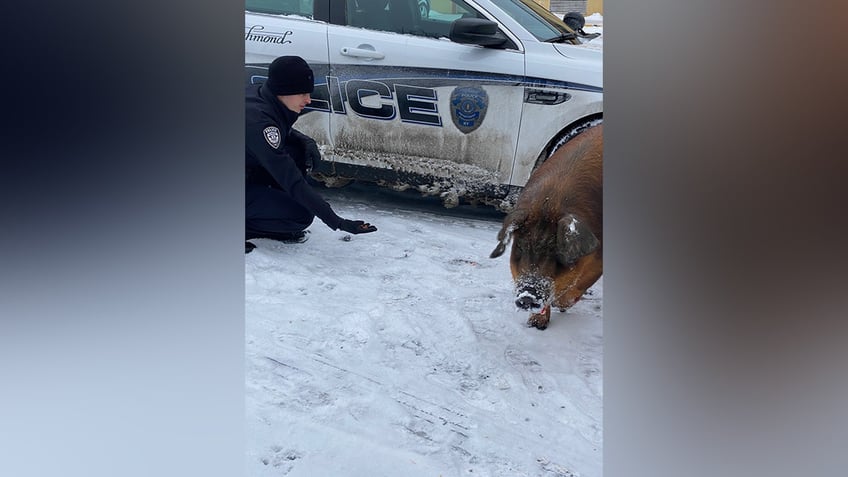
[[556, 229]]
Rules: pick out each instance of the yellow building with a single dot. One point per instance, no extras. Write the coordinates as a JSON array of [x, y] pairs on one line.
[[591, 6]]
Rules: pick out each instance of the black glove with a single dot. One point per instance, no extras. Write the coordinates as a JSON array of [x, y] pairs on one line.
[[356, 226], [311, 154]]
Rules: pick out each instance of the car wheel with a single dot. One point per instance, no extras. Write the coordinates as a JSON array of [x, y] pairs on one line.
[[424, 8], [564, 137]]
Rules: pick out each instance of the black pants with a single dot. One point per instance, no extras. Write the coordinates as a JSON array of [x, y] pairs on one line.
[[272, 213]]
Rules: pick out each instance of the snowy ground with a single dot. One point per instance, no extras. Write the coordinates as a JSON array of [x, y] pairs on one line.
[[401, 353]]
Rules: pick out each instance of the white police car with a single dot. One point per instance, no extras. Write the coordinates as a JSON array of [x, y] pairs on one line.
[[459, 98]]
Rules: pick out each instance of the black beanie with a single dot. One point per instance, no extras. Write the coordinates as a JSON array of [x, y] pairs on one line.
[[290, 75]]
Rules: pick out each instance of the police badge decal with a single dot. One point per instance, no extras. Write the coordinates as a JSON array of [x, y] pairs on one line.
[[272, 135], [468, 107]]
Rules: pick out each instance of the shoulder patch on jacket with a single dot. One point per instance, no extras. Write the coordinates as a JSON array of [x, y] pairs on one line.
[[272, 135]]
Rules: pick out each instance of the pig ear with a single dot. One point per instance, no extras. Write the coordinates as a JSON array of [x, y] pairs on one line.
[[574, 240], [498, 251], [511, 222]]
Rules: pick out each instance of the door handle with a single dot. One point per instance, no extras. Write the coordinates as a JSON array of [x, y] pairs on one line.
[[362, 53]]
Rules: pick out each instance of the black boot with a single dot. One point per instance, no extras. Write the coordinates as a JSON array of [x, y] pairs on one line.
[[285, 237], [294, 237]]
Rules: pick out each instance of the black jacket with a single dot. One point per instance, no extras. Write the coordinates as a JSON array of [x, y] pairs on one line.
[[266, 159]]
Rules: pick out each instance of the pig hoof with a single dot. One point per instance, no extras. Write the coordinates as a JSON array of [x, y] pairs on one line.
[[538, 321]]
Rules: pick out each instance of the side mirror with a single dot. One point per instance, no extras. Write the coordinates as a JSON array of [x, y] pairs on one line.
[[477, 31]]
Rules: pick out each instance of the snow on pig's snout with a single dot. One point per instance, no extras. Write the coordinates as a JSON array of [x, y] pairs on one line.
[[532, 291]]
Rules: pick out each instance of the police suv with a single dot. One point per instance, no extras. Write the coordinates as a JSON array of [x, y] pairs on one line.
[[456, 98]]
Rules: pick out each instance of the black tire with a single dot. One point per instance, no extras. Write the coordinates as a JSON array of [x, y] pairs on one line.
[[565, 136]]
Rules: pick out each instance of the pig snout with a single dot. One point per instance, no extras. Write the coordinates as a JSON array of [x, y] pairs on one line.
[[527, 302], [532, 293]]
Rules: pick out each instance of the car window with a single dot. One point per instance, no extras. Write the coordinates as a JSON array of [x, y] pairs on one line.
[[280, 7], [450, 10], [414, 17], [537, 20], [384, 15]]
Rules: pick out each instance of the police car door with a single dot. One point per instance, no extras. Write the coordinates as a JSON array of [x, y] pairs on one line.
[[407, 99], [274, 28]]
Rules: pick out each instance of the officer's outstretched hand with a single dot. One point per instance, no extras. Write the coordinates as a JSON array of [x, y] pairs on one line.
[[356, 226]]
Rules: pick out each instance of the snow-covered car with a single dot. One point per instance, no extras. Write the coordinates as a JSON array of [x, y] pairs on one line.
[[463, 103]]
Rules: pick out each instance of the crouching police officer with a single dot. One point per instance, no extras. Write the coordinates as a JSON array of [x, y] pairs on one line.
[[280, 204]]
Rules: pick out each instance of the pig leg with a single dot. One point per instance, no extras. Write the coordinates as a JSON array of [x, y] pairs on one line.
[[540, 320]]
